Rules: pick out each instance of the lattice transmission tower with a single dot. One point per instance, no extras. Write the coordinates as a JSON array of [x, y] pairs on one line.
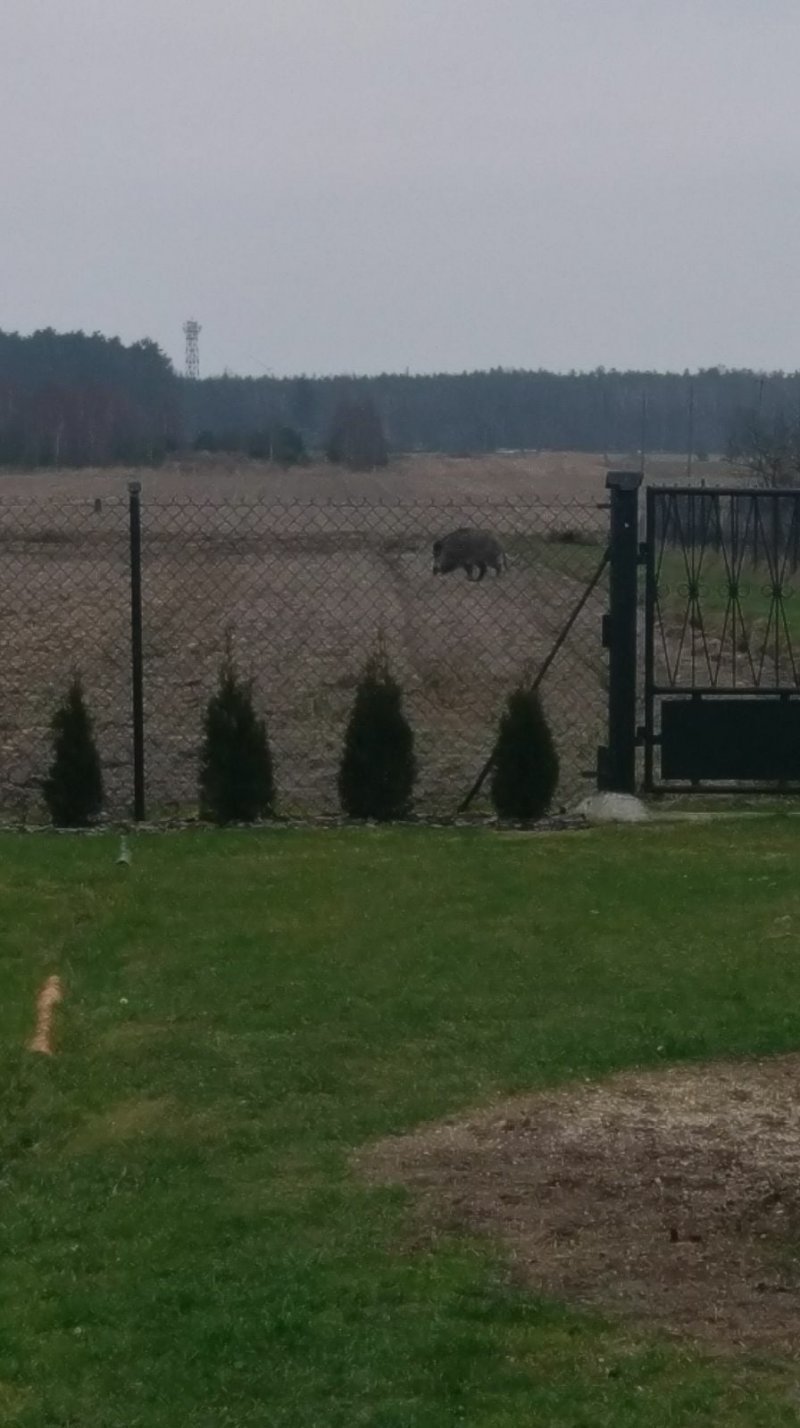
[[192, 332]]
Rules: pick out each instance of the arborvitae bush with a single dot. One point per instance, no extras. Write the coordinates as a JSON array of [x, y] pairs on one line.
[[236, 780], [73, 789], [525, 769], [378, 768]]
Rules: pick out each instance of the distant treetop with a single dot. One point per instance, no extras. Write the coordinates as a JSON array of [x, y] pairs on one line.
[[74, 399]]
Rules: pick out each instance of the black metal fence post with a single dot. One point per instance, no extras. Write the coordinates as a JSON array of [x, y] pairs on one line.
[[137, 653], [616, 766], [650, 608]]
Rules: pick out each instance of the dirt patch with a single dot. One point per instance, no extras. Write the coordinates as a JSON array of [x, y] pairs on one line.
[[673, 1196], [304, 569]]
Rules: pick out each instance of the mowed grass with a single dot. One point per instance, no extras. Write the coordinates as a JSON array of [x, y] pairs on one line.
[[755, 603], [183, 1239]]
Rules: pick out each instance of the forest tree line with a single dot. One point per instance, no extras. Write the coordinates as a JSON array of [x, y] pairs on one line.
[[68, 399], [76, 399], [475, 412]]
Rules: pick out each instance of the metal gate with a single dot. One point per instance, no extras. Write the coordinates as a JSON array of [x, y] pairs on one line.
[[721, 634]]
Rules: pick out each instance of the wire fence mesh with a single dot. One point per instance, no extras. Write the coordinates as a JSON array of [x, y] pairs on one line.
[[64, 608], [303, 592]]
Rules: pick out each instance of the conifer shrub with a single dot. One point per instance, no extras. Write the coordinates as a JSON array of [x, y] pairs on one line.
[[236, 777], [378, 767], [73, 788], [525, 768]]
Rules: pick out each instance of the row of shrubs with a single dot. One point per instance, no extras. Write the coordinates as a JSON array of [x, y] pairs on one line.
[[377, 770]]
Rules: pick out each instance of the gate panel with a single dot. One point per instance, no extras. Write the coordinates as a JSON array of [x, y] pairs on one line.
[[722, 639]]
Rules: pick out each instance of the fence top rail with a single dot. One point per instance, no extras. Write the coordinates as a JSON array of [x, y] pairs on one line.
[[742, 492], [758, 692], [157, 501], [55, 500]]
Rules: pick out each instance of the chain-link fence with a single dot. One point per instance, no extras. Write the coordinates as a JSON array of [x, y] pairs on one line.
[[303, 592], [64, 608]]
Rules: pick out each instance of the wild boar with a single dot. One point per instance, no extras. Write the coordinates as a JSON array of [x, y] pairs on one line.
[[469, 550]]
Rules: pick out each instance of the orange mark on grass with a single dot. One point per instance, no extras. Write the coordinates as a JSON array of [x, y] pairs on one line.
[[50, 994]]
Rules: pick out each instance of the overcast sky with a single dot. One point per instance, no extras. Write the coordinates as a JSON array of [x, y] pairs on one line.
[[366, 185]]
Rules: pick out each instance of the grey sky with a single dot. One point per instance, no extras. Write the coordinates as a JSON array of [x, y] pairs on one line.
[[358, 185]]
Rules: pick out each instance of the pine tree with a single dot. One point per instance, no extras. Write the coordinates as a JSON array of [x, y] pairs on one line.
[[73, 789], [525, 770], [378, 768], [236, 779]]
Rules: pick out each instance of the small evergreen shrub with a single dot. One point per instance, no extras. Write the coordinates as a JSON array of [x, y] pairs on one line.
[[525, 769], [73, 789], [236, 779], [378, 768]]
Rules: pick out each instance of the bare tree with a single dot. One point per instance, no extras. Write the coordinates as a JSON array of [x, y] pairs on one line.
[[768, 453]]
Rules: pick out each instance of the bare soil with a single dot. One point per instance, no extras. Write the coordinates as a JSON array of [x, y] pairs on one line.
[[304, 568], [672, 1196]]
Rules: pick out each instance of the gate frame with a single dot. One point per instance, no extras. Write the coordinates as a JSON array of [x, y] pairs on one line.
[[616, 760], [653, 692]]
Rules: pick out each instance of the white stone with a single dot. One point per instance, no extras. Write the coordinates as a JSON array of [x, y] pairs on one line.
[[613, 808]]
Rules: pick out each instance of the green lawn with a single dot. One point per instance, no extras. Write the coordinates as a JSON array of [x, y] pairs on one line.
[[574, 551], [755, 599], [183, 1242]]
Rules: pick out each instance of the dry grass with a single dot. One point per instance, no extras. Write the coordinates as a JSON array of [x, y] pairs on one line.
[[305, 567], [540, 475]]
